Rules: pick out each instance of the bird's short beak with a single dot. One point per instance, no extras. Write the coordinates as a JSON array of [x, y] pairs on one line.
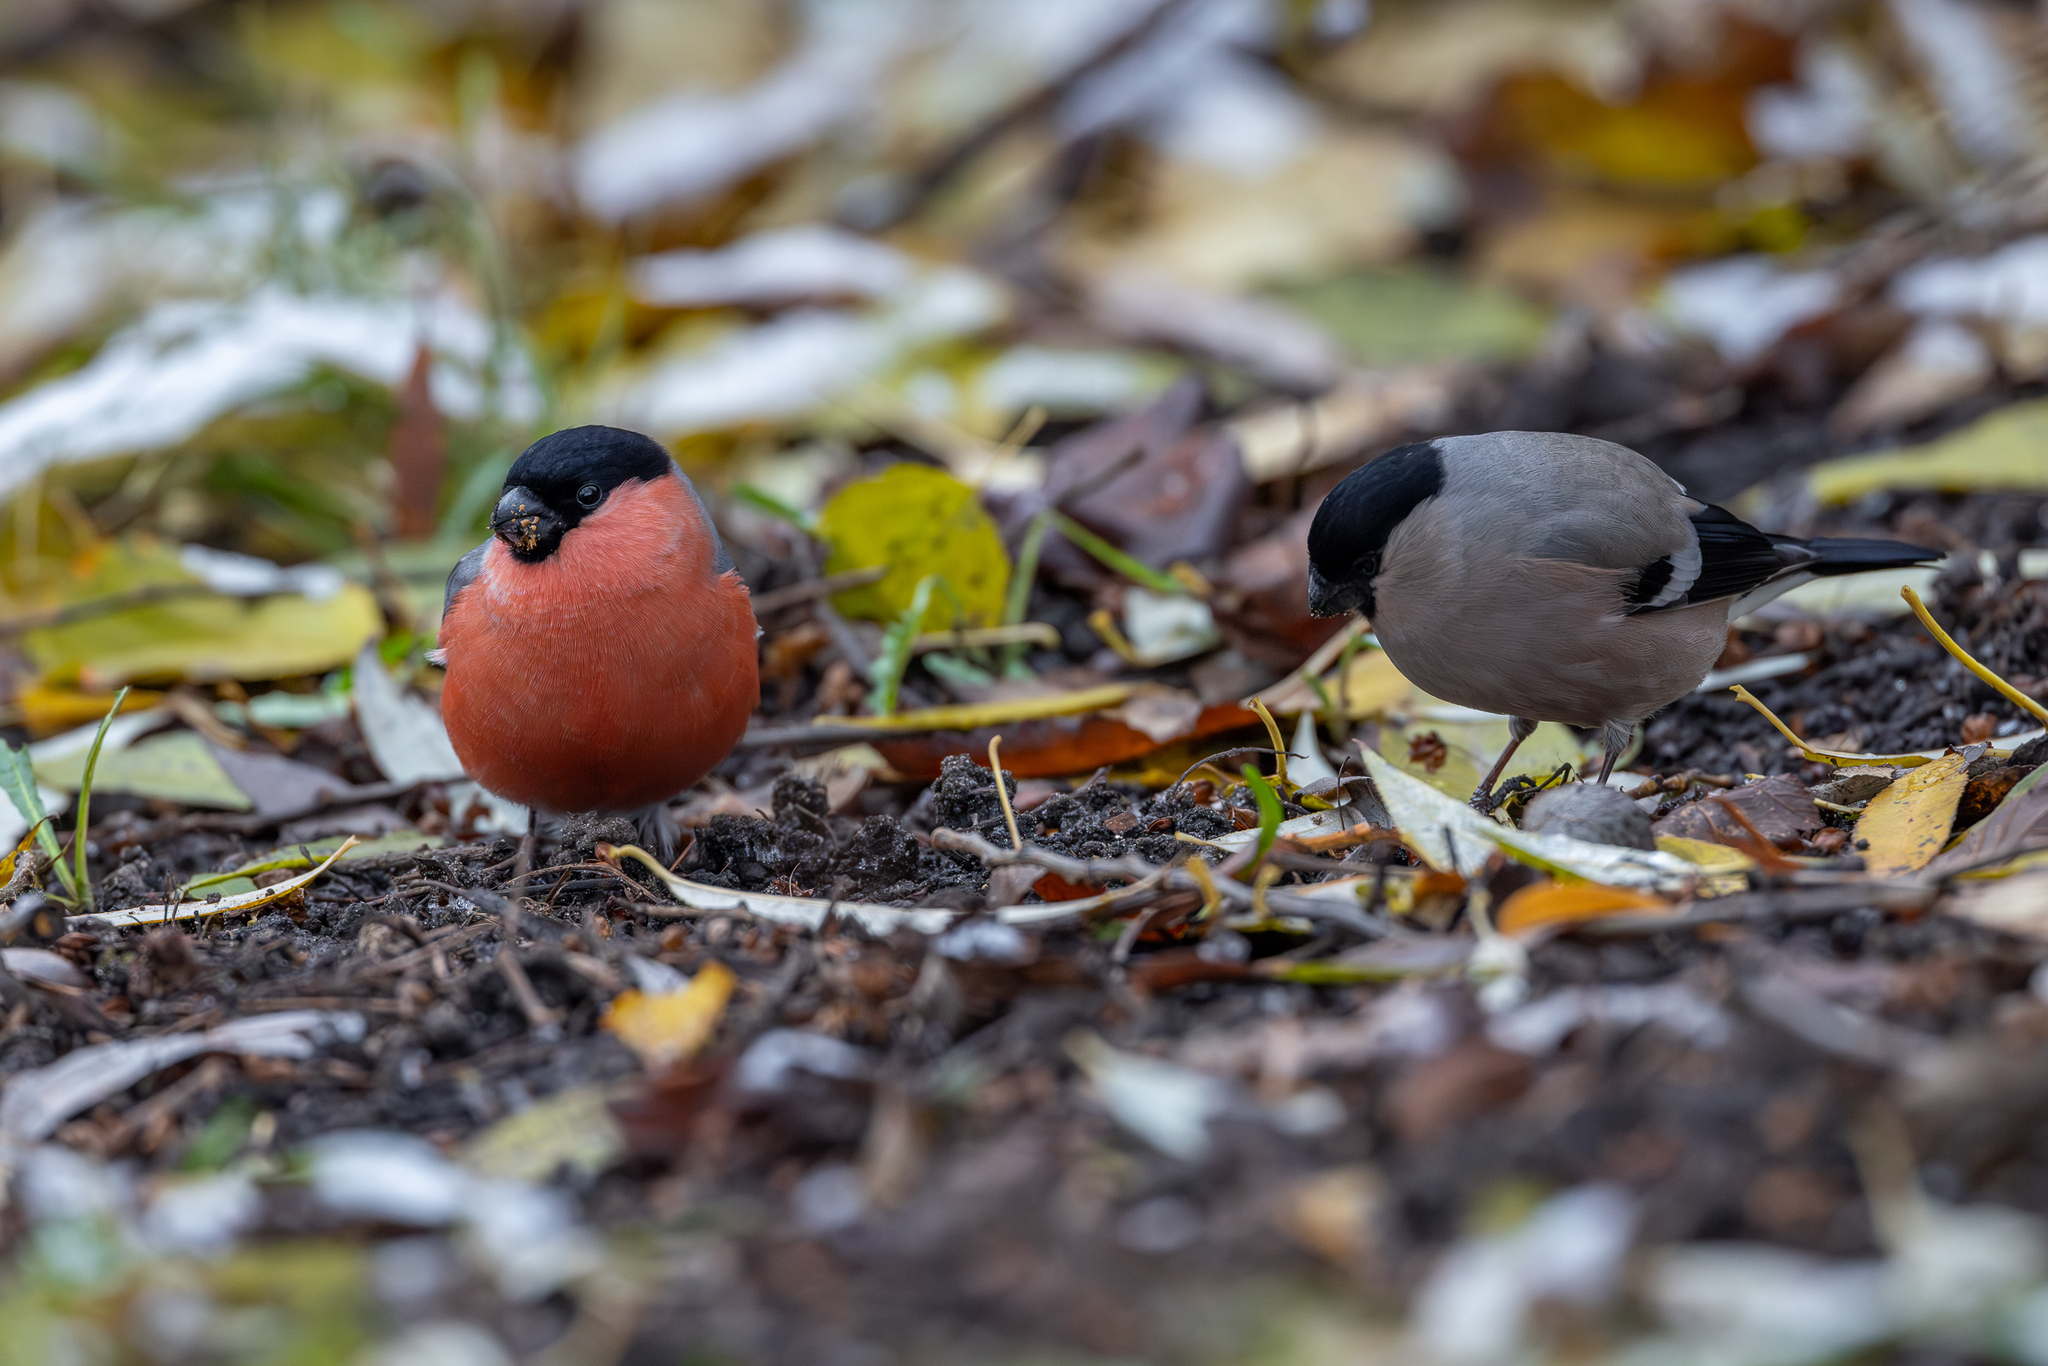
[[1326, 599], [527, 525]]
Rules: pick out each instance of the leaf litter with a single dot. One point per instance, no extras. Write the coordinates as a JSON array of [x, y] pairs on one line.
[[1012, 353]]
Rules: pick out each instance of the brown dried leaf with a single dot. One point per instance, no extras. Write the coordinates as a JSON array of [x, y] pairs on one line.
[[1780, 809]]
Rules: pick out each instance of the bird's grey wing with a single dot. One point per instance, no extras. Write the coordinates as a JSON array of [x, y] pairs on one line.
[[460, 577], [724, 561], [1727, 559], [463, 575]]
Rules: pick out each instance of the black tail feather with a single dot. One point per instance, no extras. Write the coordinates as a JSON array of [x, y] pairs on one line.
[[1854, 555]]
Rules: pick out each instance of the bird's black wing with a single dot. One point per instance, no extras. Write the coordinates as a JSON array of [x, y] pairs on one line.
[[1734, 557]]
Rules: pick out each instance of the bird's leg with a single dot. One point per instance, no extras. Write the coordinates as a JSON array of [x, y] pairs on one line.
[[1520, 728], [1614, 738], [523, 863], [658, 831]]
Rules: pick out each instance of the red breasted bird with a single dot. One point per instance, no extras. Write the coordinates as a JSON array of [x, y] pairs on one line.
[[600, 647]]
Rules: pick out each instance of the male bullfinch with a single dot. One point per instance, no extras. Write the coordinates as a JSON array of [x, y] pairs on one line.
[[1551, 577], [600, 647]]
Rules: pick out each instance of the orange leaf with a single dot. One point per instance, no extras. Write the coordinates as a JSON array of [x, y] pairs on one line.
[[1053, 887], [1562, 903]]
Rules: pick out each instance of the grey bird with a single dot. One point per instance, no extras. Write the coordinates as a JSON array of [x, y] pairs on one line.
[[1551, 577]]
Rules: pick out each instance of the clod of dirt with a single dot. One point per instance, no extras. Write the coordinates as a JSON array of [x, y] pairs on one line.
[[803, 850], [1603, 815], [964, 797], [582, 833]]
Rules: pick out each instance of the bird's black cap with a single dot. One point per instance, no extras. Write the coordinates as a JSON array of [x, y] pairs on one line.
[[1351, 527], [560, 465]]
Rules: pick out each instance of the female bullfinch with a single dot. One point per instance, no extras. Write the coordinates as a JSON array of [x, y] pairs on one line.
[[1551, 577], [600, 647]]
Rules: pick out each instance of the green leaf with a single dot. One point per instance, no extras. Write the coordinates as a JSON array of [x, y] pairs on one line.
[[175, 767], [916, 521], [1270, 814]]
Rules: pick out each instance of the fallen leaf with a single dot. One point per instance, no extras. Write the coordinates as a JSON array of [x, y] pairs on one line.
[[1414, 314], [1559, 903], [2011, 905], [1153, 484], [1214, 227], [1167, 1105], [206, 638], [572, 1128], [2019, 825], [47, 710], [917, 521], [1372, 686], [178, 767], [1451, 836], [37, 1101], [672, 1026], [351, 849], [1940, 362], [1779, 808], [404, 733], [247, 901], [276, 784], [2007, 449], [1906, 824]]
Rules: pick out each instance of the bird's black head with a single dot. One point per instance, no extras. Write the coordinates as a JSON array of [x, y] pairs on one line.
[[563, 478], [1351, 528]]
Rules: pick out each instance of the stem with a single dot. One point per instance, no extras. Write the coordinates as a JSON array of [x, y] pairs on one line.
[[2012, 694]]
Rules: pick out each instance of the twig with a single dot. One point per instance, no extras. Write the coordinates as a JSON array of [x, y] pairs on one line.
[[995, 765], [1096, 872], [790, 595]]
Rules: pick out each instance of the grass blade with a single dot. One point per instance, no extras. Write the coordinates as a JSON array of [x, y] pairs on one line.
[[1137, 571], [894, 656], [83, 888], [1270, 814]]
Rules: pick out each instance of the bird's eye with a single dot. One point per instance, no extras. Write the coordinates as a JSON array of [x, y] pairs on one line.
[[590, 495]]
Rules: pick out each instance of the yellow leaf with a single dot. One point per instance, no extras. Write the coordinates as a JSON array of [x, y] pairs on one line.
[[1907, 823], [973, 716], [46, 710], [917, 521], [1372, 685], [1715, 860], [669, 1028], [7, 864], [206, 638], [2006, 450], [1562, 903]]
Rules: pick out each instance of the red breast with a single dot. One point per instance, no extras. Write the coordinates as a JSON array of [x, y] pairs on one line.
[[611, 675]]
